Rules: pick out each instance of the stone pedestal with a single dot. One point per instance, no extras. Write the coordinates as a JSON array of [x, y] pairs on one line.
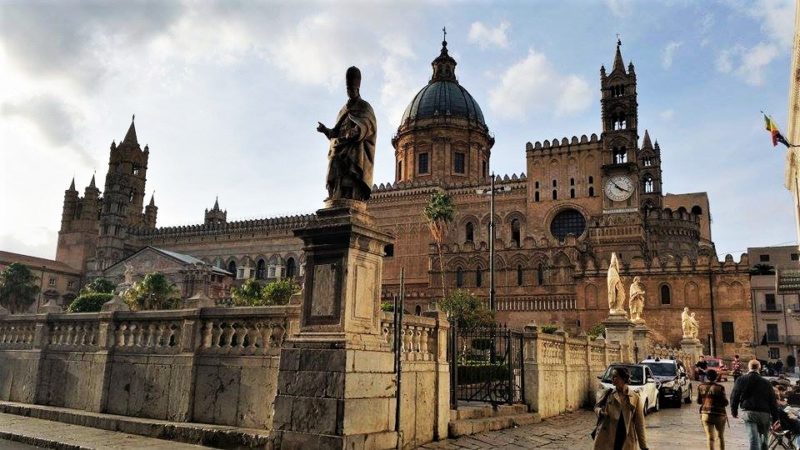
[[620, 329], [199, 300], [641, 342], [693, 347], [50, 307], [336, 385]]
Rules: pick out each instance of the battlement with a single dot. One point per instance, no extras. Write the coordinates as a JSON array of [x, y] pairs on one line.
[[421, 184], [659, 215], [562, 144], [268, 224]]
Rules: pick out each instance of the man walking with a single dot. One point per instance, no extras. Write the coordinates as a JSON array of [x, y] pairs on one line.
[[759, 406]]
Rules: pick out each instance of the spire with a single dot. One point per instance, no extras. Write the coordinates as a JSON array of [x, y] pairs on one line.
[[444, 66], [618, 63], [646, 143], [91, 183], [130, 136], [72, 185], [153, 199], [216, 203]]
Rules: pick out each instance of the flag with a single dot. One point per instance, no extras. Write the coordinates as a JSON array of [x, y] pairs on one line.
[[776, 134]]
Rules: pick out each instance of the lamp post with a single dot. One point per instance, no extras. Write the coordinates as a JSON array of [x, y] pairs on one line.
[[492, 189]]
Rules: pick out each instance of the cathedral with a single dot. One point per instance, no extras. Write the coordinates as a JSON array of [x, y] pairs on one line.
[[556, 223]]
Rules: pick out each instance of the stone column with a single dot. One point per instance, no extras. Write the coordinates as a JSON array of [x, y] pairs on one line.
[[693, 347], [641, 342], [336, 385], [620, 329]]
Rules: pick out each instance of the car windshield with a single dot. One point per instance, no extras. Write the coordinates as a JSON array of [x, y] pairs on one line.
[[712, 362], [662, 369], [637, 375]]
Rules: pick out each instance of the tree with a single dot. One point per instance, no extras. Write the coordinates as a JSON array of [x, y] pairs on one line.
[[762, 269], [439, 212], [18, 288], [250, 293], [99, 286], [154, 292], [89, 302], [279, 291], [467, 310]]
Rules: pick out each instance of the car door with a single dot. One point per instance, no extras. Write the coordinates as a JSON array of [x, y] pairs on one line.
[[650, 388]]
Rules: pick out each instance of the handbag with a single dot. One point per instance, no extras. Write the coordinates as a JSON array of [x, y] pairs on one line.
[[600, 417]]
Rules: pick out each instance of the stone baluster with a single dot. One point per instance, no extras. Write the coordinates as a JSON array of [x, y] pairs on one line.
[[426, 333]]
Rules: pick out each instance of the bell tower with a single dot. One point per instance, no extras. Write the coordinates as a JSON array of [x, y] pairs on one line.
[[620, 118]]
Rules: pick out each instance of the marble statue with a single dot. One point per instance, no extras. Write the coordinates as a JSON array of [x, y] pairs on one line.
[[616, 291], [689, 324], [636, 300], [351, 155], [129, 273]]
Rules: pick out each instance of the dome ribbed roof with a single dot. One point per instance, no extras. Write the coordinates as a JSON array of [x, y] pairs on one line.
[[443, 96]]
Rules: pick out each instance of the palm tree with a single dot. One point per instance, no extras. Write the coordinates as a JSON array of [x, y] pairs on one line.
[[439, 212], [18, 288], [762, 269]]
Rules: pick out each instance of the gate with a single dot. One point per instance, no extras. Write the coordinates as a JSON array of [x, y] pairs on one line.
[[486, 365]]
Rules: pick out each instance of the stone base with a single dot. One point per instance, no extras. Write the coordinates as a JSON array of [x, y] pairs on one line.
[[641, 341], [50, 308], [115, 304], [620, 329], [692, 346], [199, 300]]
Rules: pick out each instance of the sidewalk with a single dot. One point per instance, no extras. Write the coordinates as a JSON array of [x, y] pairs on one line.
[[45, 433]]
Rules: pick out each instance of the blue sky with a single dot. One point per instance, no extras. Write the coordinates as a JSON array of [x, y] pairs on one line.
[[227, 95]]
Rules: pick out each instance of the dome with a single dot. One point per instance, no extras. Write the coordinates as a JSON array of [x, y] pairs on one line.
[[443, 96], [446, 98]]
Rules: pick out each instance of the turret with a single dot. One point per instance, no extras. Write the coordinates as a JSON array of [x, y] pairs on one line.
[[151, 212], [649, 163], [70, 206], [215, 216]]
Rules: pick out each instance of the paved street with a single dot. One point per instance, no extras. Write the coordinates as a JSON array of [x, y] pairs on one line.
[[665, 429]]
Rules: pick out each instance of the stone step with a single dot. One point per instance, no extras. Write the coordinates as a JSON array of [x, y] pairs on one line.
[[476, 411], [218, 436], [465, 427]]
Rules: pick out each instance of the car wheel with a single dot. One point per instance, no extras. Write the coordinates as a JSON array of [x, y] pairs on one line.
[[677, 402], [688, 398], [646, 407], [658, 404]]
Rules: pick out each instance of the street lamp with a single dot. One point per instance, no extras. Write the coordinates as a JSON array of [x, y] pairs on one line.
[[492, 189]]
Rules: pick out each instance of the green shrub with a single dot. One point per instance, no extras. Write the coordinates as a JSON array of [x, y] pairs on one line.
[[279, 291], [548, 329], [387, 307], [597, 330], [481, 372], [89, 302], [154, 292]]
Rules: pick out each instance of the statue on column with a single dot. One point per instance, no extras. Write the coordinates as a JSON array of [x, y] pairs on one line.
[[616, 291], [352, 145], [689, 324], [636, 300]]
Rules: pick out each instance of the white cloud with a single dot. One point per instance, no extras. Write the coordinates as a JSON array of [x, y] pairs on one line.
[[747, 64], [487, 37], [669, 53], [667, 114], [620, 8], [532, 85], [777, 19]]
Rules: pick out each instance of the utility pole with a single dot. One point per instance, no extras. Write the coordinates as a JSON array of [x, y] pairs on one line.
[[492, 189]]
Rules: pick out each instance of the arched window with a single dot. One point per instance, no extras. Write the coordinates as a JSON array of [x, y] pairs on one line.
[[469, 232], [572, 181], [591, 179], [232, 267], [291, 268], [536, 185], [620, 155], [536, 196], [555, 183], [648, 184], [459, 277], [388, 250], [519, 276], [515, 232], [418, 310], [478, 277], [539, 275], [572, 193], [261, 270], [555, 194], [591, 191], [666, 298], [696, 210]]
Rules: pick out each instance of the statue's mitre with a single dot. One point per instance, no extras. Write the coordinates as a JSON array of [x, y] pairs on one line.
[[353, 77]]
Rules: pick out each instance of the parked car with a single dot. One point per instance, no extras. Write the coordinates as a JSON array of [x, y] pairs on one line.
[[642, 381], [719, 365], [674, 385]]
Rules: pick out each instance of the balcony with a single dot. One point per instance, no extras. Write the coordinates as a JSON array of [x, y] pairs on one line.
[[771, 307], [793, 339], [776, 339], [793, 308]]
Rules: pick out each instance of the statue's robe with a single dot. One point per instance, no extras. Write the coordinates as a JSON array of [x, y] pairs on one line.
[[352, 152]]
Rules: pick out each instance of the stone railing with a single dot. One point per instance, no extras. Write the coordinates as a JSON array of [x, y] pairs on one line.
[[560, 372], [190, 363], [419, 338]]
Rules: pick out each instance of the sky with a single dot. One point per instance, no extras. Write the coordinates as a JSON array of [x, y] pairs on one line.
[[227, 95]]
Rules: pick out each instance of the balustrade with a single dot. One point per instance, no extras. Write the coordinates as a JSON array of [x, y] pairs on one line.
[[418, 337], [243, 336], [71, 334], [17, 334]]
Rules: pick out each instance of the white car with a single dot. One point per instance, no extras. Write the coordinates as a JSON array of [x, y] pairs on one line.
[[642, 381]]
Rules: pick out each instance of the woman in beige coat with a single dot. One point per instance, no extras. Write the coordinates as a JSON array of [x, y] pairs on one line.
[[621, 416]]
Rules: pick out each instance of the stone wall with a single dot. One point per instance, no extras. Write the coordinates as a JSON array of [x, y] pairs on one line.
[[561, 371], [210, 365]]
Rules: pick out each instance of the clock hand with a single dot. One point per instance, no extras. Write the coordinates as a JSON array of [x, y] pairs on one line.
[[619, 187]]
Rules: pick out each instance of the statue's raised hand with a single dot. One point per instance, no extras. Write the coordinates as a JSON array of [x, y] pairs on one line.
[[323, 129]]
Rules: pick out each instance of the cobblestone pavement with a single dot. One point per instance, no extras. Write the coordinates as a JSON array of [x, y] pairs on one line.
[[666, 429]]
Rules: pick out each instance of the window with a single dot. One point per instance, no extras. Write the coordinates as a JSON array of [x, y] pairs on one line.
[[774, 353], [130, 197], [696, 210], [291, 267], [240, 274], [51, 281], [763, 258], [536, 196], [459, 277], [772, 332], [399, 170], [539, 275], [261, 270], [569, 221], [591, 179], [572, 193], [770, 302], [70, 284], [666, 297], [555, 183], [422, 163], [478, 277], [232, 267], [272, 272], [620, 155], [591, 191], [519, 276], [648, 162], [418, 310], [459, 163], [648, 184], [795, 257], [469, 232], [727, 332], [388, 250], [572, 181], [536, 185], [515, 232], [555, 194], [135, 170]]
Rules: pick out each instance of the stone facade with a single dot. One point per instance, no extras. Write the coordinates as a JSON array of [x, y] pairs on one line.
[[58, 282], [578, 200]]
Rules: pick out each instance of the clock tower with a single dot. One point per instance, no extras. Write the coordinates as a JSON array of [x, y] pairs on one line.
[[620, 184]]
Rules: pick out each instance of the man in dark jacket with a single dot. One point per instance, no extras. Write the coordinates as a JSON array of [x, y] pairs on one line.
[[759, 406]]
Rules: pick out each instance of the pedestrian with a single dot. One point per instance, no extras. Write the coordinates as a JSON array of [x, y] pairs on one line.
[[700, 368], [736, 367], [778, 367], [712, 401], [620, 416], [759, 406]]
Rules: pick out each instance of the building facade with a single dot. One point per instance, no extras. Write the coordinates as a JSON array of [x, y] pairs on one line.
[[792, 177], [58, 282], [577, 200]]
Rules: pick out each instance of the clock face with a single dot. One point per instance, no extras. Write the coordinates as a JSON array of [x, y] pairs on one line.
[[619, 188]]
